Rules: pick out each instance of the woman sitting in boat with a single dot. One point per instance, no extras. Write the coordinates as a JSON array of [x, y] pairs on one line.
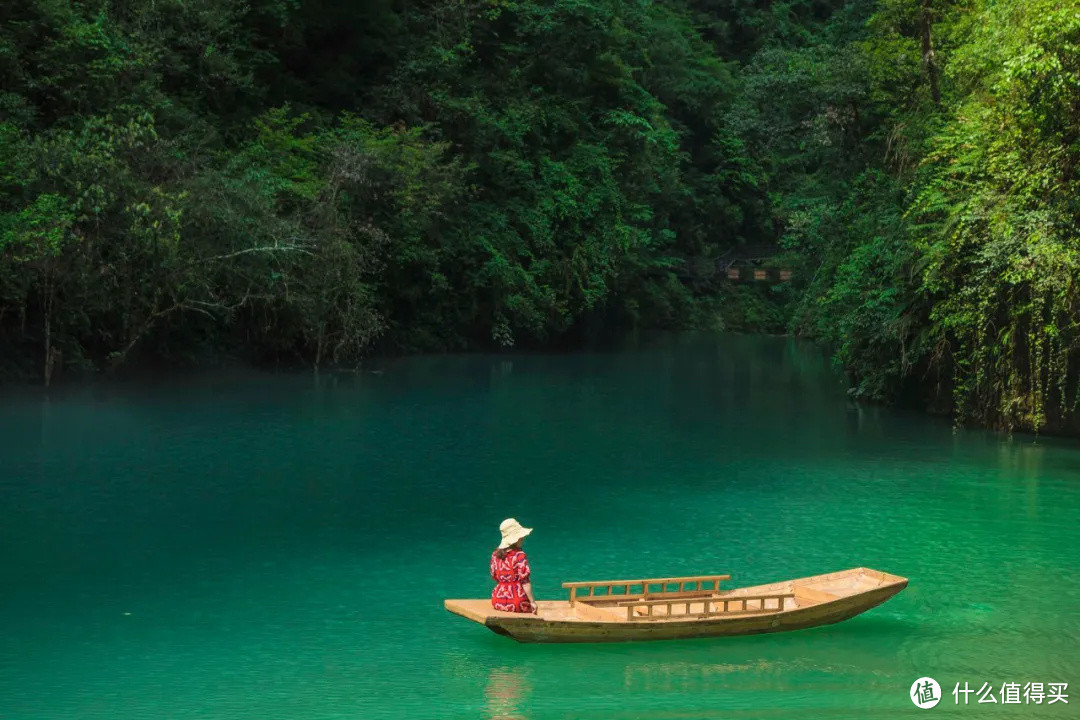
[[510, 570]]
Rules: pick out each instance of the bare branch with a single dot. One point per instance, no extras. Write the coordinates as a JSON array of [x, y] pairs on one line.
[[263, 249]]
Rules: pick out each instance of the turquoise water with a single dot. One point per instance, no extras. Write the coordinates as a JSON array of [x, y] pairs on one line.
[[278, 546]]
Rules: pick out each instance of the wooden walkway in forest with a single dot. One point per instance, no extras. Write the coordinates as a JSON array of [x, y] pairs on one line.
[[742, 262]]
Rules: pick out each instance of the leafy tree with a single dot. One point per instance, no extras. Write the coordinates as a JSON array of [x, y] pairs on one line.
[[308, 181]]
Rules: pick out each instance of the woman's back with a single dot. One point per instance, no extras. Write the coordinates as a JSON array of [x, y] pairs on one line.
[[510, 571]]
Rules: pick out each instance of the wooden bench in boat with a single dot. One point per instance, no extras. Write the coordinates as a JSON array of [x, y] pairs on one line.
[[813, 596], [698, 581], [710, 606]]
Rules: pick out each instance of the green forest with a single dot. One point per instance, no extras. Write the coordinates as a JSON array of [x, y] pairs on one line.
[[312, 182]]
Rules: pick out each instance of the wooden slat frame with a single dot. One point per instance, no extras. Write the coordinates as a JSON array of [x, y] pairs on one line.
[[722, 606], [626, 585]]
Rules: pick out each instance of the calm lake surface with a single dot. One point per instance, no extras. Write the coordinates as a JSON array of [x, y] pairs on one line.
[[264, 546]]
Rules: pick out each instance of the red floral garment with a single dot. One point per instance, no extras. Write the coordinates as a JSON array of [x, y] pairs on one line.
[[510, 572]]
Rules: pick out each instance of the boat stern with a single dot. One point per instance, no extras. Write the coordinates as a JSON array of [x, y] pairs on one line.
[[480, 611], [475, 610]]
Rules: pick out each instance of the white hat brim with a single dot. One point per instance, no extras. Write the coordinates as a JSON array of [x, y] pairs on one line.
[[514, 537]]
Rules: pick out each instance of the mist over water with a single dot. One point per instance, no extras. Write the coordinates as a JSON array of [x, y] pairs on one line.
[[263, 546]]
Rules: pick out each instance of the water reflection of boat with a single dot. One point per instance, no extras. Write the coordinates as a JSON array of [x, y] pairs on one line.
[[507, 689], [685, 607]]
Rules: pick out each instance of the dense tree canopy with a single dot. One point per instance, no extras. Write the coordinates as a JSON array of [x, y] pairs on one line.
[[309, 181], [949, 251]]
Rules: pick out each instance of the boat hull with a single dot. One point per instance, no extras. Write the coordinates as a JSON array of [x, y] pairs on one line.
[[558, 622]]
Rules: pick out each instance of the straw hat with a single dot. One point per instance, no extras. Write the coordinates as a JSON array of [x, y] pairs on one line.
[[512, 531]]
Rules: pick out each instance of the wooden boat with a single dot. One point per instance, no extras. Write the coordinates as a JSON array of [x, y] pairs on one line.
[[687, 607]]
